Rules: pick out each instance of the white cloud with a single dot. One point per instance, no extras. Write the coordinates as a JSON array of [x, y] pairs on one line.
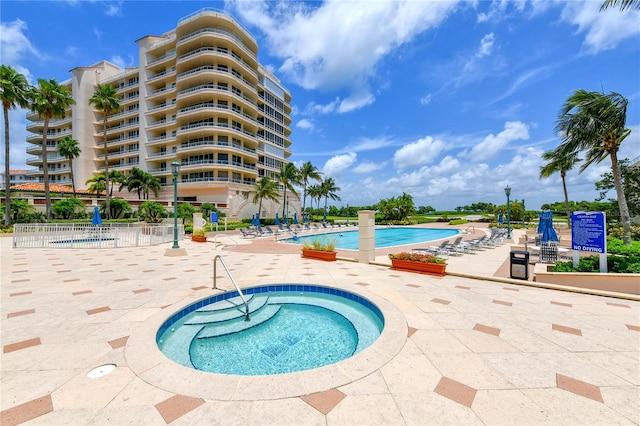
[[422, 152], [368, 144], [338, 164], [369, 167], [117, 60], [323, 109], [97, 33], [14, 43], [485, 49], [604, 30], [305, 124], [339, 43], [492, 144], [426, 100], [113, 8]]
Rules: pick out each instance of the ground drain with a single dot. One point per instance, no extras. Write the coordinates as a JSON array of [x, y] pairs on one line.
[[101, 371]]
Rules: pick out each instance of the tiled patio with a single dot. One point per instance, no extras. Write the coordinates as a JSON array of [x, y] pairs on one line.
[[459, 350]]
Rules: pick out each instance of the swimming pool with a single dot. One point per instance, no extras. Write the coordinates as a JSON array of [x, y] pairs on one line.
[[293, 327], [385, 237]]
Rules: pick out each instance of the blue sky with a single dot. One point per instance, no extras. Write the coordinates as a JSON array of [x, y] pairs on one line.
[[446, 101]]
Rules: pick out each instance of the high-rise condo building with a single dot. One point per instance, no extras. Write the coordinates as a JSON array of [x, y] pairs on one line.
[[199, 96]]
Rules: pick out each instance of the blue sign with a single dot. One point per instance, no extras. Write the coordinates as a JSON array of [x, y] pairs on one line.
[[214, 217], [588, 232]]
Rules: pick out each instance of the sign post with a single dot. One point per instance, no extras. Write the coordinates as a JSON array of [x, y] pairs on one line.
[[213, 219], [588, 233]]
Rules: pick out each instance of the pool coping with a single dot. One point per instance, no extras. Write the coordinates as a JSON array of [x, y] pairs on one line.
[[148, 363]]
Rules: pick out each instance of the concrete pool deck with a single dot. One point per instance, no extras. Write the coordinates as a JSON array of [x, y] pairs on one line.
[[460, 350]]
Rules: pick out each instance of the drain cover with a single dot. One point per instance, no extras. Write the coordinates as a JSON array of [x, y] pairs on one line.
[[103, 370]]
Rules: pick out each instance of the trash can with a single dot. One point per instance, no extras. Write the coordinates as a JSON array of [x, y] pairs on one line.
[[519, 264]]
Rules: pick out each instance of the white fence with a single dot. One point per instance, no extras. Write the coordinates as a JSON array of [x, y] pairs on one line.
[[84, 235]]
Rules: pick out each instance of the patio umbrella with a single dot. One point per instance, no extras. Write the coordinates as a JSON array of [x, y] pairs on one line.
[[500, 217], [548, 233], [324, 216], [96, 219], [295, 218], [284, 220], [540, 223], [277, 219]]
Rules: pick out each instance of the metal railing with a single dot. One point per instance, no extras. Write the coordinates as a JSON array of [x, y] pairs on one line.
[[87, 236], [246, 305]]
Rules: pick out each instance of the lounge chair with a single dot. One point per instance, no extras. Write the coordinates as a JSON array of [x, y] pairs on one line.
[[435, 250]]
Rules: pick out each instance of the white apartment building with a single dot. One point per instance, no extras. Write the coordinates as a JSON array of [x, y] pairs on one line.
[[200, 97]]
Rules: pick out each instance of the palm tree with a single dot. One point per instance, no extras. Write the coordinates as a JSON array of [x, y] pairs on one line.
[[288, 177], [96, 184], [307, 171], [150, 183], [116, 177], [315, 192], [562, 164], [623, 4], [264, 188], [595, 123], [105, 99], [134, 181], [50, 100], [70, 149], [14, 91], [328, 189]]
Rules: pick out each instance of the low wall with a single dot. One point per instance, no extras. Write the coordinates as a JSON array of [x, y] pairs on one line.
[[619, 283]]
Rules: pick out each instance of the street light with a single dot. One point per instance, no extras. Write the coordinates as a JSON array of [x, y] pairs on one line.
[[507, 191], [175, 169]]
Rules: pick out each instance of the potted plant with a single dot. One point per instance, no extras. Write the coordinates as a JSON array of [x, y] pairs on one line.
[[322, 249], [199, 235], [418, 262]]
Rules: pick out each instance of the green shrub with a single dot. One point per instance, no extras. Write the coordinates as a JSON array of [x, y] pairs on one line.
[[458, 222]]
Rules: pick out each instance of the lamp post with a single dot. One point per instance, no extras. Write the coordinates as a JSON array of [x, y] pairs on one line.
[[175, 169], [507, 191]]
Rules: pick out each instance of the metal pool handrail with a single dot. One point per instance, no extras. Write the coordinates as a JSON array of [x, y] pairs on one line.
[[246, 305]]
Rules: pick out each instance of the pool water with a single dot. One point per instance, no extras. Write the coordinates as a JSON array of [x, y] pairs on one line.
[[384, 237], [291, 329]]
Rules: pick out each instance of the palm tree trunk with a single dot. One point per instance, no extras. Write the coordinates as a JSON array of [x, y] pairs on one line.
[[7, 170], [625, 217], [73, 182], [107, 208], [566, 198], [45, 169], [284, 201]]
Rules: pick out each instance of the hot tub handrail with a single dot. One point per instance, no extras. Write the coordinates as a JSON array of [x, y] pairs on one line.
[[246, 305]]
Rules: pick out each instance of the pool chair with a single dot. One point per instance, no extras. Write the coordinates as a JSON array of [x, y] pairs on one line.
[[268, 230], [247, 233], [315, 226], [456, 248], [435, 250], [307, 227]]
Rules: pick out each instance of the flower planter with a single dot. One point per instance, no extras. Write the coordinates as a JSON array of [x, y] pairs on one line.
[[435, 269], [329, 256], [198, 239]]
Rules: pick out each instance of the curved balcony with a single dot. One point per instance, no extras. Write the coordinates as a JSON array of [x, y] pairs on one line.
[[198, 128], [161, 140], [216, 146], [166, 75], [207, 109], [207, 91], [161, 93], [206, 73], [207, 55]]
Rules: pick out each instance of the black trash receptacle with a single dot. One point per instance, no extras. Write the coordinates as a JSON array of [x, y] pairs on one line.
[[519, 264]]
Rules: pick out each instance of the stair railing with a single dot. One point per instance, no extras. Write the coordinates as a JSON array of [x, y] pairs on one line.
[[246, 305]]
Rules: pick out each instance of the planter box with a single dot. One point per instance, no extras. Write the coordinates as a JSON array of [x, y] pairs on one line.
[[435, 269], [620, 283], [328, 256], [198, 239]]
